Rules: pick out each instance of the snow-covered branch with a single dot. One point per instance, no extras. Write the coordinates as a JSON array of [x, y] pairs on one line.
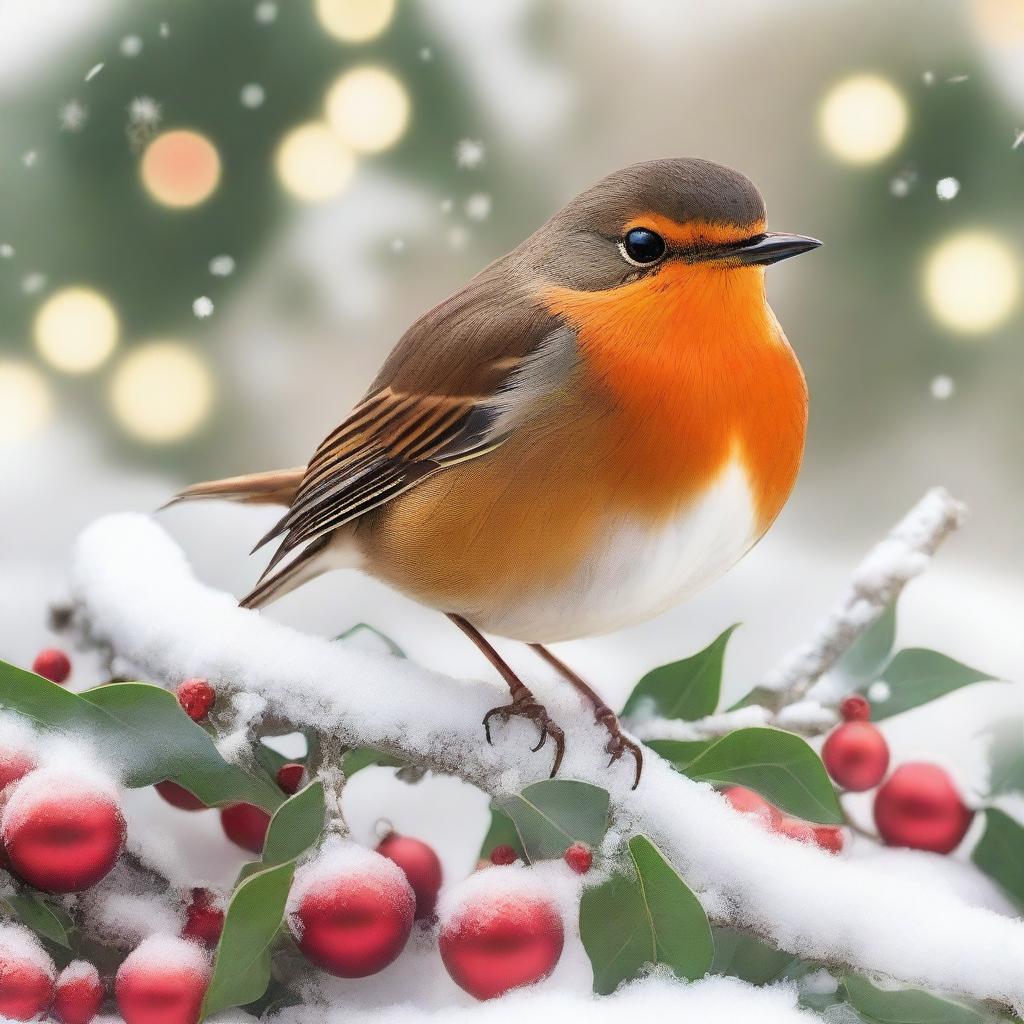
[[134, 592]]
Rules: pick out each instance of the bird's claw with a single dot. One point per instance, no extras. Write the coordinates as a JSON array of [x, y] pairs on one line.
[[618, 744], [534, 712]]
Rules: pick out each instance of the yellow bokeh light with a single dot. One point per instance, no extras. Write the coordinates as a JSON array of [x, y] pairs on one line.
[[355, 21], [972, 282], [76, 330], [369, 109], [313, 163], [25, 401], [1000, 22], [161, 392], [180, 168], [863, 119]]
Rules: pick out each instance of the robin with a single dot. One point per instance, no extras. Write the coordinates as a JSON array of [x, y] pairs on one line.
[[597, 425]]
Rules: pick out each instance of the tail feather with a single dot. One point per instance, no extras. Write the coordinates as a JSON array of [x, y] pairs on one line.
[[277, 487], [304, 567]]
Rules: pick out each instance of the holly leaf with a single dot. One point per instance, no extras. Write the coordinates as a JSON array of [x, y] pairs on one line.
[[296, 825], [1000, 852], [686, 689], [50, 922], [642, 918], [501, 832], [779, 765], [869, 653], [145, 729], [916, 676], [680, 752], [1006, 757], [552, 815], [909, 1005], [742, 956], [241, 970], [382, 638]]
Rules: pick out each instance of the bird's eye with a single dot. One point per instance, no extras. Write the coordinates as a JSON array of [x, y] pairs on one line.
[[642, 247]]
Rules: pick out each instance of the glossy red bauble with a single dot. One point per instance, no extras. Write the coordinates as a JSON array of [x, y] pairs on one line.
[[245, 825], [919, 807], [796, 829], [61, 836], [491, 947], [196, 696], [746, 801], [162, 982], [421, 867], [290, 776], [829, 838], [53, 665], [855, 708], [26, 974], [179, 796], [204, 920], [15, 764], [856, 756], [504, 854], [579, 858], [78, 994]]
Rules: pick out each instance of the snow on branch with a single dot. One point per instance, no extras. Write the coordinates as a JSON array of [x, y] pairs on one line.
[[135, 593]]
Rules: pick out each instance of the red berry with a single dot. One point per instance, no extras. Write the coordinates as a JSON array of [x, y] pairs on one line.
[[421, 867], [204, 920], [796, 829], [746, 801], [504, 854], [163, 981], [61, 834], [290, 776], [15, 763], [196, 696], [26, 974], [354, 913], [490, 947], [245, 825], [855, 708], [920, 807], [579, 858], [179, 796], [829, 838], [856, 756], [52, 664], [78, 995]]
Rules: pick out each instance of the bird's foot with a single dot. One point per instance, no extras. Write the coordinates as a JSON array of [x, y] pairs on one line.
[[527, 706], [618, 743]]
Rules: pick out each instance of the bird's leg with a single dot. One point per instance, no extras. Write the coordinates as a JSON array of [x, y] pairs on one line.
[[618, 743], [524, 704]]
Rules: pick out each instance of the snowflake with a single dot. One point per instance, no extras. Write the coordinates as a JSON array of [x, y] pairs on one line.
[[942, 387], [956, 79], [144, 110], [478, 206], [928, 77], [30, 157], [222, 266], [469, 153], [73, 115], [252, 95], [131, 46], [32, 284], [203, 307], [901, 184], [266, 12], [94, 71], [165, 30], [947, 188], [1019, 140], [426, 54], [6, 250]]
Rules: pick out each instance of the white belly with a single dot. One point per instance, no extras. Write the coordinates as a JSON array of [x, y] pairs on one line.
[[637, 573]]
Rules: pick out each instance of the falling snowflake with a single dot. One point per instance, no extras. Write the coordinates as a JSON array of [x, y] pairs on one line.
[[469, 153], [6, 250], [145, 110], [478, 206], [30, 158], [72, 116], [901, 184], [203, 307], [94, 71], [131, 46], [398, 245], [426, 54], [928, 77], [1019, 140], [222, 266], [942, 387], [879, 692], [957, 79], [265, 12], [947, 188], [165, 30], [32, 284], [252, 95]]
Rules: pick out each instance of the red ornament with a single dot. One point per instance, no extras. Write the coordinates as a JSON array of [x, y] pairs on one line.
[[196, 696], [78, 994], [26, 974], [204, 920], [290, 776], [796, 829], [920, 807], [746, 801], [504, 854], [245, 825], [421, 867], [179, 796], [14, 764], [829, 838], [354, 923], [61, 835], [53, 665], [856, 756], [162, 982], [855, 708], [490, 947], [579, 858]]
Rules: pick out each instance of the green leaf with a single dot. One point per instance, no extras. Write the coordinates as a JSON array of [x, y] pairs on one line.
[[1000, 852], [680, 752], [501, 832], [241, 969], [365, 627], [742, 956], [358, 758], [646, 917], [50, 922], [686, 689], [552, 815], [916, 676], [909, 1005], [778, 765], [1006, 757], [144, 728], [869, 653], [296, 825]]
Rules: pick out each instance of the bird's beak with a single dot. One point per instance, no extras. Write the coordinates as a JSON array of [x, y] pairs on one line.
[[770, 247]]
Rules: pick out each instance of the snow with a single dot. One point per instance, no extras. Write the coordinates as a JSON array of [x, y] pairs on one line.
[[130, 46], [123, 918], [17, 737], [252, 95], [203, 307], [947, 188], [711, 725], [469, 154], [65, 776], [942, 387], [78, 971], [222, 266], [136, 590], [163, 951], [18, 943]]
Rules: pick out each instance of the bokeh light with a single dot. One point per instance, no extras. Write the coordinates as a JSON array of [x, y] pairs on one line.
[[26, 403], [312, 163], [369, 109], [76, 330], [972, 282], [862, 119], [1001, 22], [355, 21], [180, 168], [161, 392]]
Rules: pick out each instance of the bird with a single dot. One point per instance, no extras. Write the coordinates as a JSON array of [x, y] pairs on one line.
[[597, 425]]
